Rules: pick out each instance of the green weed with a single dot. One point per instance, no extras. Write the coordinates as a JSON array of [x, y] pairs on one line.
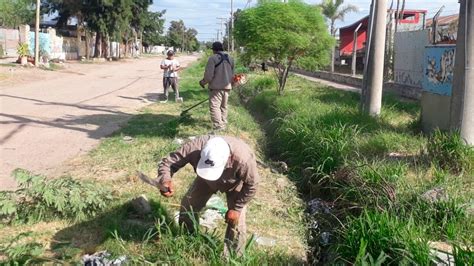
[[21, 251], [449, 152], [372, 170], [382, 233], [463, 256], [39, 198]]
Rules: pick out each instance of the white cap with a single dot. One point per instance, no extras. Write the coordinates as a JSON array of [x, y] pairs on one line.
[[214, 157]]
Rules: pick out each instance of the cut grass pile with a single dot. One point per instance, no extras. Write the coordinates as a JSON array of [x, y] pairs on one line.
[[373, 171], [275, 213]]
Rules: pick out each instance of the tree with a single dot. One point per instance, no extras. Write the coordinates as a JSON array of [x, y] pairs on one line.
[[334, 10], [14, 13], [153, 28], [180, 36], [284, 34], [191, 42], [175, 35], [118, 20]]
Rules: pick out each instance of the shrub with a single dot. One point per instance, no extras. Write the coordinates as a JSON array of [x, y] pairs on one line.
[[449, 152], [39, 198], [20, 253]]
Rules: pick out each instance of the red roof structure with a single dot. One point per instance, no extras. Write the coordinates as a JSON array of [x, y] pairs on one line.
[[410, 19]]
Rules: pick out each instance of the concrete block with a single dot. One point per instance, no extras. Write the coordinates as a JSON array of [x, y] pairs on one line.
[[435, 112]]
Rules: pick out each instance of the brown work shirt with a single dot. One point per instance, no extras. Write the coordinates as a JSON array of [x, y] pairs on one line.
[[220, 77], [240, 174]]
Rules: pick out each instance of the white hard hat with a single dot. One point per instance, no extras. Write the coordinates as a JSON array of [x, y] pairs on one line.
[[214, 157]]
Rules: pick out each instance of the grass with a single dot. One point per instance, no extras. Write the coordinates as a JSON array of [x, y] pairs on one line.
[[372, 170], [9, 65], [276, 212]]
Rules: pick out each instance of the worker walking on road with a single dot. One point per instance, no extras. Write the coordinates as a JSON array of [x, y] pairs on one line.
[[170, 75], [224, 164], [219, 75]]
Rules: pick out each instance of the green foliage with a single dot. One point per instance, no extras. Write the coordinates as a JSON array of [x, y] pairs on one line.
[[22, 251], [284, 34], [381, 233], [14, 13], [153, 28], [23, 50], [463, 256], [39, 198], [180, 36], [334, 10], [372, 170], [449, 152]]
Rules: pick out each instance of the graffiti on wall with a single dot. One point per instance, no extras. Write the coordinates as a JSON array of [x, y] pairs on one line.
[[439, 69]]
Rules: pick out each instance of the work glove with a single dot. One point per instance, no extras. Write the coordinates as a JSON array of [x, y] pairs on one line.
[[232, 217], [166, 188], [202, 83]]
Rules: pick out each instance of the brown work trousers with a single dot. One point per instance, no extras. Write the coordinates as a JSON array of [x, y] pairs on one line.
[[173, 83], [195, 200], [218, 108]]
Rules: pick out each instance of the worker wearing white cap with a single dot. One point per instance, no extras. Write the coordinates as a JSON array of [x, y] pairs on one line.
[[224, 164]]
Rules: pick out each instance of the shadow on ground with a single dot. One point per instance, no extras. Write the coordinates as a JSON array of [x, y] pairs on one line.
[[122, 222]]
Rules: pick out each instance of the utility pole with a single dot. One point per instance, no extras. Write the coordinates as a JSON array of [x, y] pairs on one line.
[[228, 34], [37, 25], [222, 22], [354, 50], [462, 100], [231, 35], [373, 78]]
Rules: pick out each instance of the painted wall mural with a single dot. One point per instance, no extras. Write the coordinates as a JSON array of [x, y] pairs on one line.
[[439, 69]]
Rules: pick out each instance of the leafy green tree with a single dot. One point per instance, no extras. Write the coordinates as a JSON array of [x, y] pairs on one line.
[[284, 34], [175, 35], [334, 10], [118, 20], [14, 13], [153, 29], [191, 42], [180, 36]]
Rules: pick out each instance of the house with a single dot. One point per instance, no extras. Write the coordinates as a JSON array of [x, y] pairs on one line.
[[446, 29], [410, 20]]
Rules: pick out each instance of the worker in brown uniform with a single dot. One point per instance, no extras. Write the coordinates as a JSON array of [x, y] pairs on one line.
[[224, 164], [219, 75]]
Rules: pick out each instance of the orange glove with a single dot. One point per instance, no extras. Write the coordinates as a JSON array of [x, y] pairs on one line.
[[232, 217], [166, 188]]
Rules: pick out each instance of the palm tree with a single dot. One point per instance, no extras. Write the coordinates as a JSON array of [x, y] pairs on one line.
[[334, 10]]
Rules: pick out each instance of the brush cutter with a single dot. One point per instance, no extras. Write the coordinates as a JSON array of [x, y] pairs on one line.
[[185, 112]]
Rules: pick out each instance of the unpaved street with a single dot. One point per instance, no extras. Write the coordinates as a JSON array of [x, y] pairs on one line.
[[63, 114]]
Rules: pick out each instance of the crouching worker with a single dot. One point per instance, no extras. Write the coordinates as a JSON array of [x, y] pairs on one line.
[[224, 164]]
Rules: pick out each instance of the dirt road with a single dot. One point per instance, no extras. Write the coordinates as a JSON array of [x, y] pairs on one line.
[[63, 114]]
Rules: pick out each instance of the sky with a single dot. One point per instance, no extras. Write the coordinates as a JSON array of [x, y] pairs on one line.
[[203, 14]]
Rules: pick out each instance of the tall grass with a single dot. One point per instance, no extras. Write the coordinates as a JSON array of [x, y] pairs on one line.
[[374, 171]]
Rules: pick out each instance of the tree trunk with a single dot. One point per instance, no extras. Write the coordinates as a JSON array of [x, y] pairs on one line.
[[98, 41], [86, 32], [284, 77]]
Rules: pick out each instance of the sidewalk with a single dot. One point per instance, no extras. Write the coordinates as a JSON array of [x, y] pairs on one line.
[[335, 85]]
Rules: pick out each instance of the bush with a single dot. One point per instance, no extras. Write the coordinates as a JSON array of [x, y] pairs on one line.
[[449, 152], [39, 198]]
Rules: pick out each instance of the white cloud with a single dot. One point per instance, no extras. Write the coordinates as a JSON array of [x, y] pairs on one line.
[[202, 15]]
